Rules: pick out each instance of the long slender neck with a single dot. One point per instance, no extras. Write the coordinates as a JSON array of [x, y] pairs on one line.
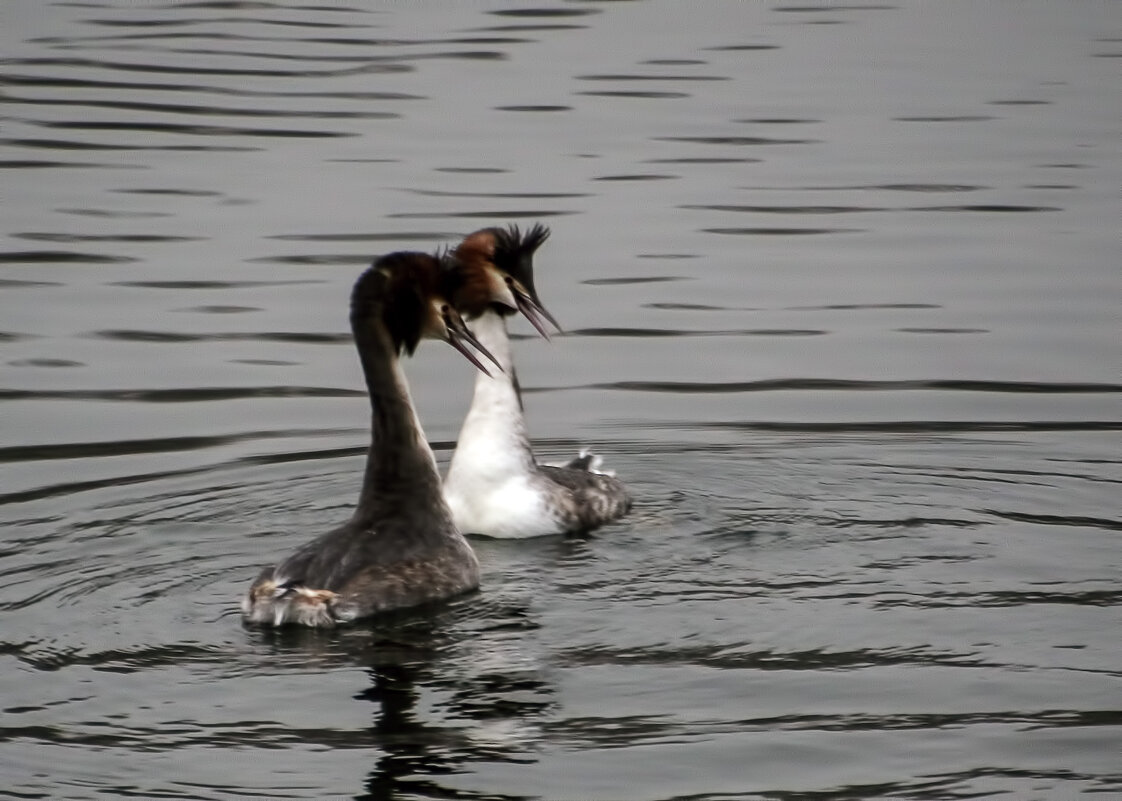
[[400, 468], [494, 426]]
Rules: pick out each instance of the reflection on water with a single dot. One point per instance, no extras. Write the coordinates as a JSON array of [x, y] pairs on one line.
[[839, 286]]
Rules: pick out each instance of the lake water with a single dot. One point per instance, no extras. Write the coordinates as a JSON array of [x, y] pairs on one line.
[[841, 290]]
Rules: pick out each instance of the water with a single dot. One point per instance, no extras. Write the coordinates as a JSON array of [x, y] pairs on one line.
[[841, 291]]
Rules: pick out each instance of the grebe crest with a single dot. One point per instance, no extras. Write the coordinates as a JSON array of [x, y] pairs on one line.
[[492, 255]]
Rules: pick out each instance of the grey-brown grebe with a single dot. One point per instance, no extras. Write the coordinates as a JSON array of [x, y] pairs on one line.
[[400, 548], [494, 485]]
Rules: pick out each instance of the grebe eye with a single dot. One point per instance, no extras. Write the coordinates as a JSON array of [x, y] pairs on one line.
[[445, 309]]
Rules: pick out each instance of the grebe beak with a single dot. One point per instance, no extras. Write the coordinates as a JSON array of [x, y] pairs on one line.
[[532, 309], [504, 295], [458, 334]]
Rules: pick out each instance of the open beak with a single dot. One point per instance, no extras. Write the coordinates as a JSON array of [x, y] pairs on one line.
[[458, 334], [532, 310]]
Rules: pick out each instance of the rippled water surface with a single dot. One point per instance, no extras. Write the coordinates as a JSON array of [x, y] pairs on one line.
[[841, 291]]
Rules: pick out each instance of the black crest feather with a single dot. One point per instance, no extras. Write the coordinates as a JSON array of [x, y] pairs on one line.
[[514, 252], [395, 286]]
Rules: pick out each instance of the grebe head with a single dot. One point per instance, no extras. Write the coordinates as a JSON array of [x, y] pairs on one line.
[[475, 284], [505, 253], [407, 294]]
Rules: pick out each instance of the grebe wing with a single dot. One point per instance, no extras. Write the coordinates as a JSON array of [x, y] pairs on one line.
[[593, 498]]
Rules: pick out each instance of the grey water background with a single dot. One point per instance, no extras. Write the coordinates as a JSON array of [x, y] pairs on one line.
[[841, 291]]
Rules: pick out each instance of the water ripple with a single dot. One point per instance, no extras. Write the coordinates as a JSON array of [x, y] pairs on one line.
[[704, 160], [651, 279], [49, 363], [181, 395], [744, 47], [853, 385], [368, 67], [534, 108], [204, 284], [636, 177], [122, 447], [38, 236], [163, 22], [545, 12], [781, 231], [125, 660], [669, 332], [392, 236], [313, 258], [46, 164], [1058, 520], [834, 7], [784, 209], [947, 118], [891, 187], [185, 108], [504, 195], [490, 214], [999, 208], [192, 129], [864, 306], [736, 141], [635, 94], [1005, 598], [625, 77], [60, 257], [306, 338], [50, 81], [15, 283], [751, 659], [777, 121], [70, 144], [902, 426]]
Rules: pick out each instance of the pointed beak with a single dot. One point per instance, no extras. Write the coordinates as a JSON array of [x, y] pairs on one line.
[[503, 295], [458, 334], [532, 310]]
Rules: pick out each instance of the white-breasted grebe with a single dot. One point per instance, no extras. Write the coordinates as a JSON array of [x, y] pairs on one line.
[[400, 548], [494, 485]]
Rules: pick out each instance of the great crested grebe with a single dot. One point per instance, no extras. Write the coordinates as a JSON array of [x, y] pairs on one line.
[[400, 548], [494, 485]]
